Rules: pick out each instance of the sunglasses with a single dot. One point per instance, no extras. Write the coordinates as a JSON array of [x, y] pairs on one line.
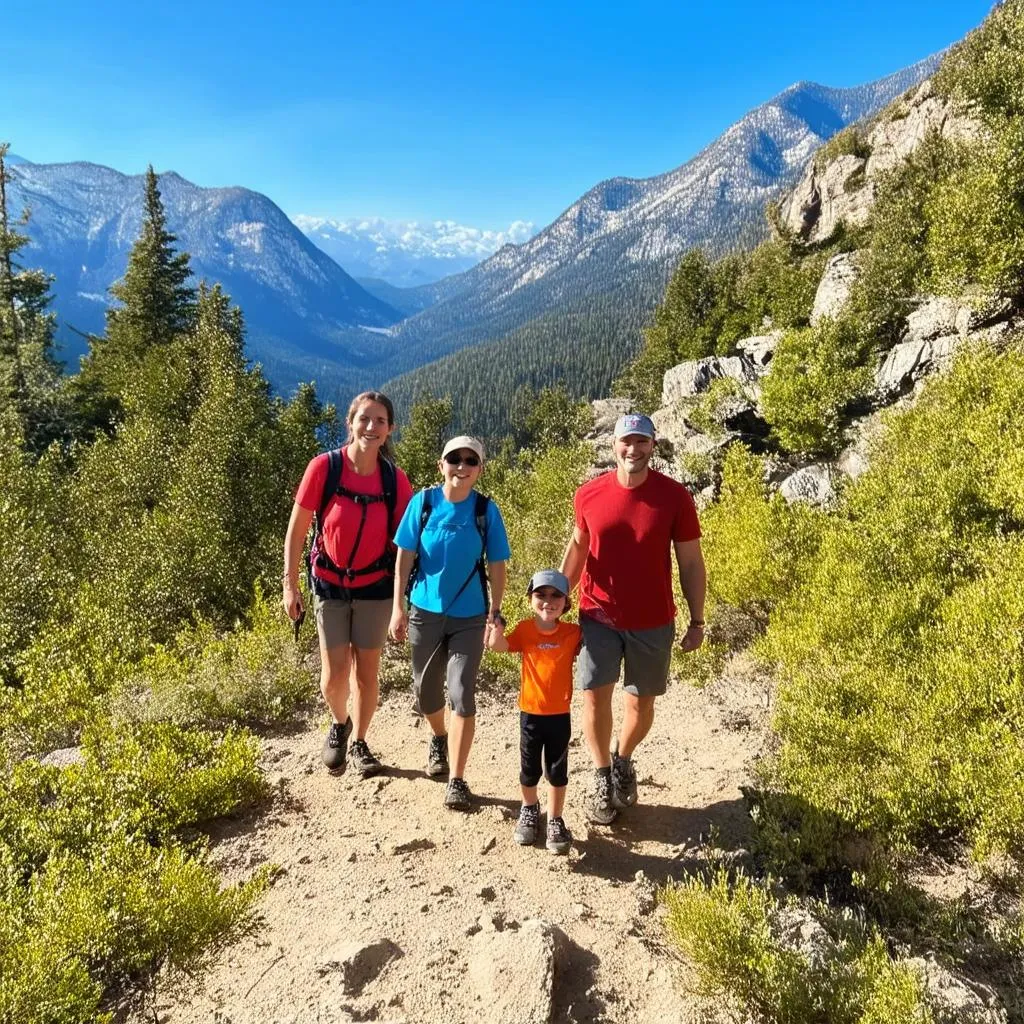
[[455, 459]]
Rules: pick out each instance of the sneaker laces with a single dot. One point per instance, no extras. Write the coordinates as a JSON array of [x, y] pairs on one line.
[[623, 771], [557, 829], [360, 749], [529, 815], [336, 736], [459, 788], [602, 787]]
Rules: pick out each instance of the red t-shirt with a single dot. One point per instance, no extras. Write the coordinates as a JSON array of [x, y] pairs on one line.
[[341, 521], [627, 577]]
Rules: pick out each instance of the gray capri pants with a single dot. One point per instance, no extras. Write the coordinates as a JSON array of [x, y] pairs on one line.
[[445, 649]]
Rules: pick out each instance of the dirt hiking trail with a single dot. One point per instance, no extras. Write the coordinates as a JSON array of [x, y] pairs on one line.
[[390, 908]]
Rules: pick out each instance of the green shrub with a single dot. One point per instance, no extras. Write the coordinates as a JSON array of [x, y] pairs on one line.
[[756, 545], [817, 374], [728, 931], [253, 675], [900, 710], [848, 142]]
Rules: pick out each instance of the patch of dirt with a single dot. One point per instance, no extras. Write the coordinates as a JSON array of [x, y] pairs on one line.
[[380, 864]]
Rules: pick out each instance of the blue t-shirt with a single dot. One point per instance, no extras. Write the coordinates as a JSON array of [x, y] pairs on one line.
[[449, 549]]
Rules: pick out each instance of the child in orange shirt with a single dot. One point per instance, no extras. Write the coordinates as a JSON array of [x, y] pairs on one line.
[[548, 647]]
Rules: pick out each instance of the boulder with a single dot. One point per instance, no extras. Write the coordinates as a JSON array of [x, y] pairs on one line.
[[606, 412], [695, 376], [359, 962], [953, 999], [905, 364], [824, 198], [834, 288], [760, 348], [935, 317], [895, 137], [63, 758], [813, 484], [513, 972]]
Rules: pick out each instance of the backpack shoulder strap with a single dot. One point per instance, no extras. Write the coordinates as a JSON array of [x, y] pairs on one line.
[[331, 484], [480, 514], [389, 485]]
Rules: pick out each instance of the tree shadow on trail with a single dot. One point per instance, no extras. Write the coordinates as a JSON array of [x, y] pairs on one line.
[[618, 851]]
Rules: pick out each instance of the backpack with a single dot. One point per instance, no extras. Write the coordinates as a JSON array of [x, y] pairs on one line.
[[332, 486], [480, 569]]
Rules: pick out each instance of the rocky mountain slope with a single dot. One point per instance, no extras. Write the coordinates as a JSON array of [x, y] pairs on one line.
[[636, 229], [300, 306]]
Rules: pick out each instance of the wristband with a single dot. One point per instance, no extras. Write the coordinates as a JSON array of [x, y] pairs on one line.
[[695, 625]]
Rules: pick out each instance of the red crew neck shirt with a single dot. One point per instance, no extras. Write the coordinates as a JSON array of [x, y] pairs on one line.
[[627, 577], [341, 521]]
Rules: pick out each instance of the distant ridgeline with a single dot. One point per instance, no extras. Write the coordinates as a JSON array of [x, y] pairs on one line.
[[566, 305]]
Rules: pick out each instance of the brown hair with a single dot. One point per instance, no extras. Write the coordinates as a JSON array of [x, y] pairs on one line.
[[381, 399]]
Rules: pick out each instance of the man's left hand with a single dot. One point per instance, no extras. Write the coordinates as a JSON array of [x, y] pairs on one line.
[[692, 638]]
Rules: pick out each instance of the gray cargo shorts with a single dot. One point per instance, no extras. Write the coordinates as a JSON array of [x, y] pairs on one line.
[[446, 653], [647, 654]]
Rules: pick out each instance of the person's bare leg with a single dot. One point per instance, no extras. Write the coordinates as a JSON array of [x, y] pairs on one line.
[[366, 692], [529, 794], [334, 675], [597, 724], [637, 719], [460, 740], [556, 801], [436, 722]]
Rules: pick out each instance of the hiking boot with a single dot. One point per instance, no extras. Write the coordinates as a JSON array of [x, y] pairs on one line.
[[457, 796], [526, 828], [600, 809], [336, 746], [437, 757], [623, 782], [363, 760], [559, 837]]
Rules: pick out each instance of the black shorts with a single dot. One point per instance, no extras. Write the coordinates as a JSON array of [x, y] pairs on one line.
[[546, 735]]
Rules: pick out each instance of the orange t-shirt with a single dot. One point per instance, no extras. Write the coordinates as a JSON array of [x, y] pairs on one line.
[[546, 681]]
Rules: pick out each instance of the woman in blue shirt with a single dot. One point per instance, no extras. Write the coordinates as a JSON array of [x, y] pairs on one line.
[[446, 538]]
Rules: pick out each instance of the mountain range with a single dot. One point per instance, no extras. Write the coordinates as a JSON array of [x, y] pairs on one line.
[[610, 253]]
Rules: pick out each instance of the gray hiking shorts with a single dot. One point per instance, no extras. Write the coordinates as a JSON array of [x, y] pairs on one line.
[[446, 653], [363, 624], [647, 654]]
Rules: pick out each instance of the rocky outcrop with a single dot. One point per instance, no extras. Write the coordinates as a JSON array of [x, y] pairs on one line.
[[759, 349], [834, 289], [695, 376], [814, 484], [844, 189], [953, 999], [905, 364]]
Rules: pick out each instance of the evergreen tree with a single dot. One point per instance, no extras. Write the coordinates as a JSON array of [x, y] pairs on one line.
[[422, 440], [29, 374], [155, 307]]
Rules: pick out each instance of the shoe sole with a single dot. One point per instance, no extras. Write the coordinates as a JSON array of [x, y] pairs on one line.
[[559, 849], [601, 818], [458, 807], [437, 773], [337, 771], [523, 841], [370, 772], [621, 803]]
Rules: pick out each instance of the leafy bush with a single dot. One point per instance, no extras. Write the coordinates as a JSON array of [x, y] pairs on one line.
[[728, 930], [900, 650], [757, 546], [848, 142], [95, 886], [817, 374]]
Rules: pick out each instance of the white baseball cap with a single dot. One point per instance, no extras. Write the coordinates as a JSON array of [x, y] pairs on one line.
[[464, 441]]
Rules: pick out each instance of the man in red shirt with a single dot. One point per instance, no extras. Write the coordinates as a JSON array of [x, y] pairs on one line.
[[628, 523]]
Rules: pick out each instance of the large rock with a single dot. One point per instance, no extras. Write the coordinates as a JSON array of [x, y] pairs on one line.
[[695, 376], [606, 412], [953, 999], [834, 288], [824, 198], [935, 317], [760, 348], [359, 963], [905, 364], [897, 135], [813, 484], [513, 973]]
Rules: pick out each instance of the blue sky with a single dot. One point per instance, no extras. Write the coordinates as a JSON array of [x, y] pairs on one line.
[[483, 113]]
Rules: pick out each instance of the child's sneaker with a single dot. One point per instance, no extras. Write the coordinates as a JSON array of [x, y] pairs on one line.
[[601, 810], [335, 749], [526, 828], [437, 757], [457, 796], [623, 782], [363, 761], [559, 837]]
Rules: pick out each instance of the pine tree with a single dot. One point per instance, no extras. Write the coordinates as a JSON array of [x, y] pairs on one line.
[[30, 399], [420, 445], [156, 306]]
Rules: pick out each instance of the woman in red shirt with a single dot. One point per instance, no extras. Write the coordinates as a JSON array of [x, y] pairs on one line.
[[357, 495]]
